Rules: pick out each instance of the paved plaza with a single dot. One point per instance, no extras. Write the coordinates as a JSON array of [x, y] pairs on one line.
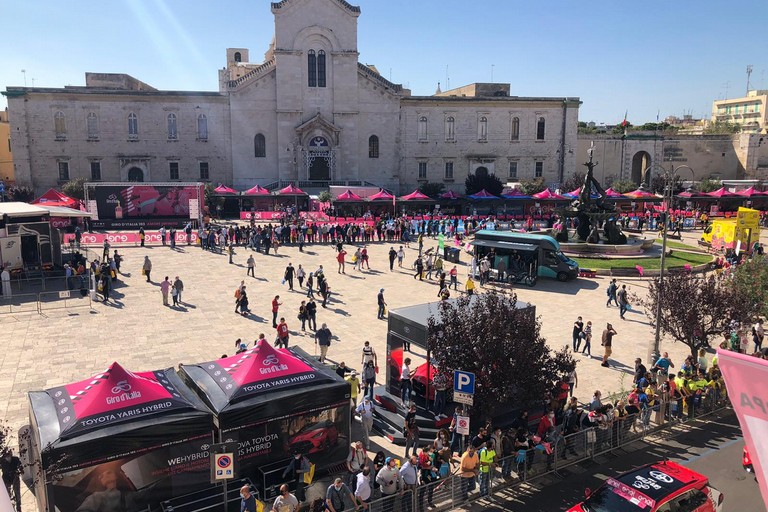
[[62, 346]]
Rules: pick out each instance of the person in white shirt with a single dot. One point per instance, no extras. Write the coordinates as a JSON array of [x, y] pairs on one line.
[[405, 381], [363, 487], [285, 502], [365, 410], [369, 354]]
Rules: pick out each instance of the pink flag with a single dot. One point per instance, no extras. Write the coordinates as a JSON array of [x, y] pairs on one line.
[[741, 372]]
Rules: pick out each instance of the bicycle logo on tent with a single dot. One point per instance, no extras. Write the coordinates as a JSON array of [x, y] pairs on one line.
[[270, 360], [121, 387]]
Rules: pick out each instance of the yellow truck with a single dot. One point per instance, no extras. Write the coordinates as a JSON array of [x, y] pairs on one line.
[[727, 233]]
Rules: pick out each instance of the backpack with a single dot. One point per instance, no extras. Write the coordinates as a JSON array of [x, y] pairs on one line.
[[237, 293]]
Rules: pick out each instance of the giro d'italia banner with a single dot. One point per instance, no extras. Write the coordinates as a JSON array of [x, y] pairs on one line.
[[260, 370], [750, 402], [111, 397], [123, 202]]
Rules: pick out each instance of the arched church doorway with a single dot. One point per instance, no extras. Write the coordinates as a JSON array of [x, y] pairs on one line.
[[640, 162], [135, 174], [481, 172], [319, 159]]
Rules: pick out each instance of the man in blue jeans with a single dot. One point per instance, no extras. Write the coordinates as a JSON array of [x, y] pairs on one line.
[[623, 301]]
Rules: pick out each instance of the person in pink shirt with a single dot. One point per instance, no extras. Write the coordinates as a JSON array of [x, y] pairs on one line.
[[165, 287]]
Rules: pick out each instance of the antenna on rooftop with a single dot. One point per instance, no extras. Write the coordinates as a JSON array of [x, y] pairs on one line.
[[749, 74]]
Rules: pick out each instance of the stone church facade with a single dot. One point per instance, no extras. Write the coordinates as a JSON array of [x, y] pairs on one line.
[[308, 113]]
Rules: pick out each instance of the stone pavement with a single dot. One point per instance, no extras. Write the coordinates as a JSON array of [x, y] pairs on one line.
[[62, 346]]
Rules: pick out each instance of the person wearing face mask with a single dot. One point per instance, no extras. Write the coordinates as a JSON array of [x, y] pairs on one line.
[[390, 481], [334, 496], [296, 469], [247, 501], [546, 422], [285, 502]]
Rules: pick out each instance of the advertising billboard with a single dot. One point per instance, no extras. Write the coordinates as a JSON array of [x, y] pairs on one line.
[[140, 201]]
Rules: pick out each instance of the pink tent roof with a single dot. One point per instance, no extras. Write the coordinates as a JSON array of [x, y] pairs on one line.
[[547, 194], [55, 198], [612, 193], [450, 195], [483, 194], [751, 191], [258, 190], [348, 195], [416, 196], [291, 190], [692, 193], [721, 192], [639, 193], [223, 189], [381, 194]]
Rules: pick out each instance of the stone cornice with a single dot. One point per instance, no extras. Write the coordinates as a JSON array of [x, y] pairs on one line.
[[276, 6]]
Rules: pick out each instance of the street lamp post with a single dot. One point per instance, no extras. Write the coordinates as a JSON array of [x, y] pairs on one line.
[[669, 183]]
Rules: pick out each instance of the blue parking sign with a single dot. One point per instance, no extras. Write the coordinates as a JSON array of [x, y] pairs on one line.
[[463, 382]]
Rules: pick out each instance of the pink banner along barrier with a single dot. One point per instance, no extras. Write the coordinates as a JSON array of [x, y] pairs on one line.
[[151, 238]]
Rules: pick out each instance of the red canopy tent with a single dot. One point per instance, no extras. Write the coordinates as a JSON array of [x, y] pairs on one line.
[[55, 198], [291, 190], [416, 196], [450, 195], [258, 190], [348, 195], [721, 192], [548, 194], [381, 195], [690, 193], [223, 189]]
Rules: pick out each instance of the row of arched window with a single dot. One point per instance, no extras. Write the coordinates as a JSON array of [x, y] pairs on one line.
[[482, 128], [92, 126]]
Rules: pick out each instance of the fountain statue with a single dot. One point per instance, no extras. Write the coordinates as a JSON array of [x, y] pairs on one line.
[[591, 212]]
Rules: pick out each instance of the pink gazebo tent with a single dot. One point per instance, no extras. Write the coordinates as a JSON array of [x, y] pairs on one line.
[[258, 190], [348, 195], [291, 190], [690, 193], [750, 192], [381, 195], [450, 195], [416, 196], [609, 192], [548, 194], [224, 190], [721, 192], [641, 194]]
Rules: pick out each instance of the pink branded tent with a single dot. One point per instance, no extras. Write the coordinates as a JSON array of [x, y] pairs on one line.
[[348, 195], [514, 194], [548, 194], [483, 194], [381, 195], [416, 196], [258, 190], [224, 190], [721, 192], [291, 190], [450, 195], [690, 193]]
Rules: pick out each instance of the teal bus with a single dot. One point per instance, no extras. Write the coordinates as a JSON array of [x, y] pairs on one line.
[[516, 255]]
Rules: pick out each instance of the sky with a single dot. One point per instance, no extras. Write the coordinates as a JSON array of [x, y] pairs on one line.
[[642, 57]]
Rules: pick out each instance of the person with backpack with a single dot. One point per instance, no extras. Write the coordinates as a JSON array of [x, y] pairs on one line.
[[239, 291], [334, 496], [570, 427]]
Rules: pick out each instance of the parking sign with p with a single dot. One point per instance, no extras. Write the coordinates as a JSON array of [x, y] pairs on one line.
[[463, 382]]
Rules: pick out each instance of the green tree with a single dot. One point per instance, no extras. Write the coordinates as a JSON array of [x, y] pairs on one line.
[[623, 186], [694, 308], [432, 190], [619, 128], [324, 196], [534, 186], [572, 182], [483, 180], [22, 194], [74, 188], [709, 185], [211, 199], [751, 280], [499, 340], [722, 128]]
